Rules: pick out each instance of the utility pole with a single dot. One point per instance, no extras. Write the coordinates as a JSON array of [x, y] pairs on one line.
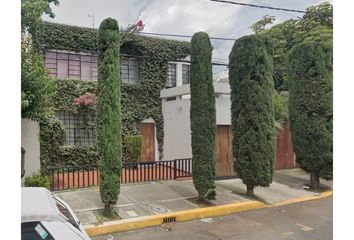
[[93, 19]]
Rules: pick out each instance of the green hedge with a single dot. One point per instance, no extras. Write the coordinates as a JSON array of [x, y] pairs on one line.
[[109, 114], [310, 70], [133, 147], [252, 111], [139, 101], [202, 116], [37, 180]]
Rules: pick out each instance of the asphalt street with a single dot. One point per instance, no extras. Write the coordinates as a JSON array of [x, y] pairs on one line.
[[306, 220]]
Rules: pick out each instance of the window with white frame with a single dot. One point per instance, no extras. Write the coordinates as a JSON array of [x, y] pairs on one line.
[[129, 70], [80, 129], [71, 65], [171, 75], [185, 74]]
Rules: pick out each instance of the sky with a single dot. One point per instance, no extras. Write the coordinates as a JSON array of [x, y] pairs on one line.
[[183, 17]]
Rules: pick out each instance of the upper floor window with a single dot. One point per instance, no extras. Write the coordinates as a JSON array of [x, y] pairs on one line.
[[71, 65], [185, 74], [171, 75], [79, 128], [129, 70]]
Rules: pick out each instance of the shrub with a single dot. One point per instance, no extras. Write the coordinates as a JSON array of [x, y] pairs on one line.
[[202, 116], [109, 119], [252, 113], [310, 108], [37, 180], [133, 145]]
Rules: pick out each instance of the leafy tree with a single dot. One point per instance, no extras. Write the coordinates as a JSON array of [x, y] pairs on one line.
[[109, 119], [32, 10], [252, 110], [202, 116], [315, 25], [260, 26], [37, 87], [310, 107], [280, 103]]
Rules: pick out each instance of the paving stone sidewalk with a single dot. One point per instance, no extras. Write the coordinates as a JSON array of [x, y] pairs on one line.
[[142, 199]]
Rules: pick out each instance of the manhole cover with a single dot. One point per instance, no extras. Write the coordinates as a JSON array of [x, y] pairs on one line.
[[157, 208]]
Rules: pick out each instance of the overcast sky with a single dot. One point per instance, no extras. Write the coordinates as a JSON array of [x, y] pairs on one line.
[[180, 17]]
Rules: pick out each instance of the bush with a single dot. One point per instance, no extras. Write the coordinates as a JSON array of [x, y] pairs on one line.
[[202, 116], [252, 112], [310, 107], [37, 180], [133, 145], [109, 117]]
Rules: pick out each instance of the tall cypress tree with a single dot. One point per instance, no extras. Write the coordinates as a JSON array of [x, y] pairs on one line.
[[252, 113], [109, 120], [202, 116], [310, 107]]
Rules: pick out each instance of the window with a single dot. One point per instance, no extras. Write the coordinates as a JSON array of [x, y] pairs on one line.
[[79, 128], [129, 70], [171, 75], [34, 231], [71, 65], [185, 74]]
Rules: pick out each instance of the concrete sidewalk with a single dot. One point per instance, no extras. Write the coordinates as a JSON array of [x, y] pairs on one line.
[[143, 199]]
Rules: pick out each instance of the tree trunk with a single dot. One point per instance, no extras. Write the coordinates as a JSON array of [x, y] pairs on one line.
[[314, 181], [107, 210], [250, 191]]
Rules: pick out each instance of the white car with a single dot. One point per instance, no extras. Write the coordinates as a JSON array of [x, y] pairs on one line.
[[44, 216]]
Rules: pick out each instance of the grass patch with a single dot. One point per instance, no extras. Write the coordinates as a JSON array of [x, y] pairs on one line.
[[199, 203], [102, 218]]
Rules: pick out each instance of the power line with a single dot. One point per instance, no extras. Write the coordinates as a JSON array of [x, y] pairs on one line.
[[258, 6], [290, 14], [184, 36]]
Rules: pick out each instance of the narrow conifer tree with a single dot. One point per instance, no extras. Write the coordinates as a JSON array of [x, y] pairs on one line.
[[252, 113], [202, 116], [109, 121], [310, 71]]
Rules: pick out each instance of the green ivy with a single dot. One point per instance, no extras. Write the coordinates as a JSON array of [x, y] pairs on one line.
[[139, 101]]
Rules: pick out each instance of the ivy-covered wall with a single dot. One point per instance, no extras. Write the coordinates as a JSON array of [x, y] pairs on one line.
[[139, 101]]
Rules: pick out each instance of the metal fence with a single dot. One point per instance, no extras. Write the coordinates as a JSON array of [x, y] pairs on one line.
[[69, 177]]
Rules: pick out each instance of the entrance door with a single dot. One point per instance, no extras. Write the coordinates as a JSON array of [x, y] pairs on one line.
[[224, 159], [147, 130]]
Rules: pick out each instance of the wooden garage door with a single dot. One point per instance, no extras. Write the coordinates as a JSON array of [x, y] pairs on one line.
[[148, 149], [224, 159]]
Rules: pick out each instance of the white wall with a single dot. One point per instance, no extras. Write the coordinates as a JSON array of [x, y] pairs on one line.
[[177, 140], [30, 142]]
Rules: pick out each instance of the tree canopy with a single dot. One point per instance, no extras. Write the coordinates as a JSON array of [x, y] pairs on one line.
[[37, 87], [310, 107], [252, 112], [202, 116], [315, 25]]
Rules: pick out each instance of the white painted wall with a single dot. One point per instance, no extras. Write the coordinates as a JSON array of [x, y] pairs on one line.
[[177, 140], [30, 142]]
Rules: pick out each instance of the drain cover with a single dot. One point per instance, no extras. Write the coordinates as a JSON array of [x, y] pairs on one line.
[[157, 208]]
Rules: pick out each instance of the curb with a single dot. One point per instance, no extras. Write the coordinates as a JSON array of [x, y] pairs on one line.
[[178, 216], [188, 215], [303, 199]]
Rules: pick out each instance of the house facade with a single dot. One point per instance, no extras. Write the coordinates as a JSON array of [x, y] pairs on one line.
[[155, 98]]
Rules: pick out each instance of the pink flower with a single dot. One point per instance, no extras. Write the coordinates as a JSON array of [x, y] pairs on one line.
[[88, 99], [139, 23]]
